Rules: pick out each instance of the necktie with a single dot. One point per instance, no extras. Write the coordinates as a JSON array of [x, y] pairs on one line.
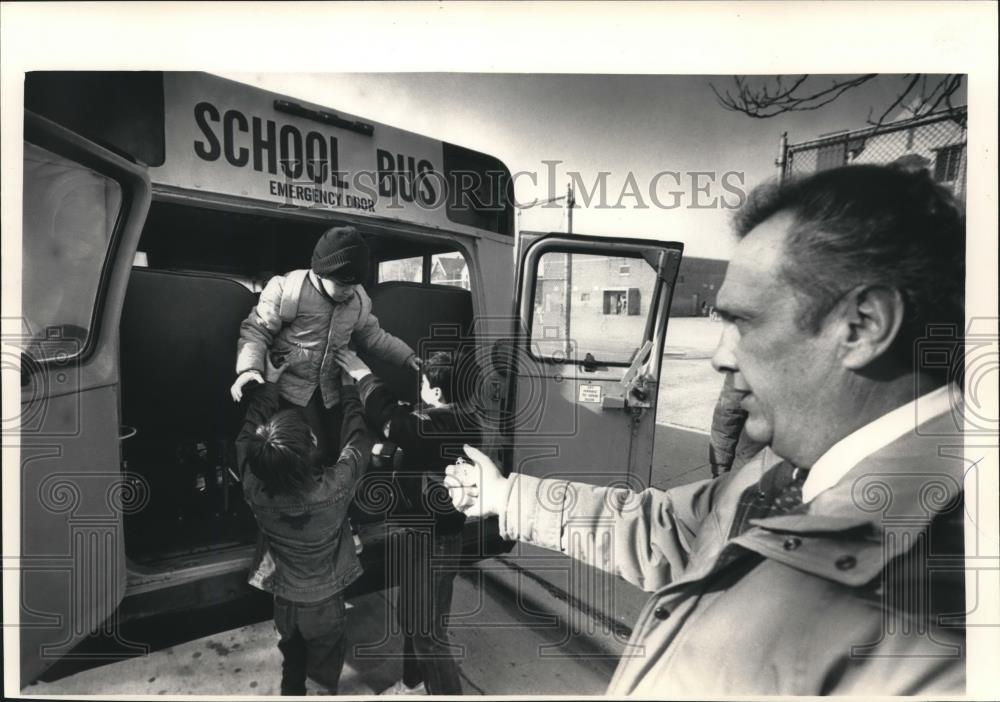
[[778, 492]]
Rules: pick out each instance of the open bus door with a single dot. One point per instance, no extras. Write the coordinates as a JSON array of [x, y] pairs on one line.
[[593, 315], [84, 208]]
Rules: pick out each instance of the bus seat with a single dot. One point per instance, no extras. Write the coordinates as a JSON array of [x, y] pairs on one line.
[[178, 353], [427, 317]]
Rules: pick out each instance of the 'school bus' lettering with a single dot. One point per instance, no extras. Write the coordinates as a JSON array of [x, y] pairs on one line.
[[267, 147], [406, 178], [228, 139], [313, 155]]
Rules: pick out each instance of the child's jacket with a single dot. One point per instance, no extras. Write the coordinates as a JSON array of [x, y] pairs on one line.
[[306, 552], [430, 438], [318, 328]]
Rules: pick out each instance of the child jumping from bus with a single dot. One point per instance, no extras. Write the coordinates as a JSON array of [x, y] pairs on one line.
[[306, 555], [303, 318]]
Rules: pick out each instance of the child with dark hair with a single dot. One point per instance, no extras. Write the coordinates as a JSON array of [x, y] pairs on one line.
[[281, 453], [429, 438], [306, 556]]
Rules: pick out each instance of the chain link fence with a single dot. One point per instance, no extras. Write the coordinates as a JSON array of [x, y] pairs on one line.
[[936, 142]]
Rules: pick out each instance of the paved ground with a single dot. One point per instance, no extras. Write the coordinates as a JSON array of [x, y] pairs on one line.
[[688, 384], [513, 637]]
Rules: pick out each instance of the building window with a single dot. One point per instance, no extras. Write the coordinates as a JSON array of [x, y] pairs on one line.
[[615, 301], [624, 268], [622, 302], [948, 163]]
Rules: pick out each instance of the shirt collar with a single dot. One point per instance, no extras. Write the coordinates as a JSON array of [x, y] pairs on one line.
[[855, 447]]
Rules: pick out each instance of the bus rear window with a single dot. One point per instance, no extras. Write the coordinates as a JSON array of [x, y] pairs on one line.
[[449, 268], [69, 217], [481, 190], [410, 270]]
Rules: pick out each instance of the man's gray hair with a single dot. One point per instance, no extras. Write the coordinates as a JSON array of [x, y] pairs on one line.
[[860, 225]]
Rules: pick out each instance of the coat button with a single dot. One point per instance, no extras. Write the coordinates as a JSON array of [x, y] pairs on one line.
[[846, 562], [792, 543], [661, 613]]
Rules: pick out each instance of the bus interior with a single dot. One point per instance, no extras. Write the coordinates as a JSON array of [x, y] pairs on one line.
[[198, 272]]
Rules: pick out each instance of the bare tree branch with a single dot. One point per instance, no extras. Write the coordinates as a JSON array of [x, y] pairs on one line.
[[780, 95], [899, 99]]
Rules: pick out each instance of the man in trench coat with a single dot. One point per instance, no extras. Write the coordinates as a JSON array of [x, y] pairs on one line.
[[835, 568]]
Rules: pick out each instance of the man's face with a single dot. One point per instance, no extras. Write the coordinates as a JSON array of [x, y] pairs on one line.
[[337, 290], [785, 372]]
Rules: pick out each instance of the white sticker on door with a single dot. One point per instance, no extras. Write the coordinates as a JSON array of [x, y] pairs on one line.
[[590, 393]]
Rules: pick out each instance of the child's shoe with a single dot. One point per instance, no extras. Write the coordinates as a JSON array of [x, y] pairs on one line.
[[400, 688]]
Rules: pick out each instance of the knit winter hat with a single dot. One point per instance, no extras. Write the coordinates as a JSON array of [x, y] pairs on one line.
[[341, 253]]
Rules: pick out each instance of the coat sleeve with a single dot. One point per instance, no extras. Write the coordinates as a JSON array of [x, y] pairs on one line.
[[383, 410], [728, 419], [643, 537], [259, 329], [370, 336], [355, 437]]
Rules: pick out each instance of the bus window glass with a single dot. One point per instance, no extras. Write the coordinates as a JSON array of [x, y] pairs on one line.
[[69, 217], [450, 269], [591, 303], [410, 270]]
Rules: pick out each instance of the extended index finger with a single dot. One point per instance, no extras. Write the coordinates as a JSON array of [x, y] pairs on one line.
[[475, 454]]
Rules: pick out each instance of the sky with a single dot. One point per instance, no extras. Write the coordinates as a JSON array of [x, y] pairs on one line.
[[619, 124]]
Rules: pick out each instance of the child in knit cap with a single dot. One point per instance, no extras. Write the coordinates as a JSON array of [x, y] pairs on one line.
[[303, 318]]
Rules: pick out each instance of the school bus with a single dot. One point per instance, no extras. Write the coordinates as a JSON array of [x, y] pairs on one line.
[[155, 207]]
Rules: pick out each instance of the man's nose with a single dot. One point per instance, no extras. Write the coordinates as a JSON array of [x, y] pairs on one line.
[[724, 358]]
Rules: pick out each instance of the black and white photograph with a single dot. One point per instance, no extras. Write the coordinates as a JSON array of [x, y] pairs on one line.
[[483, 349]]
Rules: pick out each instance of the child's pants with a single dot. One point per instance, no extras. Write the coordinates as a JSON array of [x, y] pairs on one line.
[[425, 589], [312, 642]]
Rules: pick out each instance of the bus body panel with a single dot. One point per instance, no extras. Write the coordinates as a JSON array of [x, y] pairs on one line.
[[73, 493]]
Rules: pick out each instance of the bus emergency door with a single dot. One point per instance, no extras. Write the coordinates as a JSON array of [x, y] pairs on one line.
[[592, 315], [84, 209]]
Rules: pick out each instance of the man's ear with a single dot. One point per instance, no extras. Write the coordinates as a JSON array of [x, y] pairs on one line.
[[874, 315]]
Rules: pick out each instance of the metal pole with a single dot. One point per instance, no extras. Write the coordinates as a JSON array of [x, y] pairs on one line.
[[570, 204], [517, 240], [569, 299], [782, 159]]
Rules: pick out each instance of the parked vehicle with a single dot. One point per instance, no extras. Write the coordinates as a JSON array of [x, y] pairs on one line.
[[156, 205]]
